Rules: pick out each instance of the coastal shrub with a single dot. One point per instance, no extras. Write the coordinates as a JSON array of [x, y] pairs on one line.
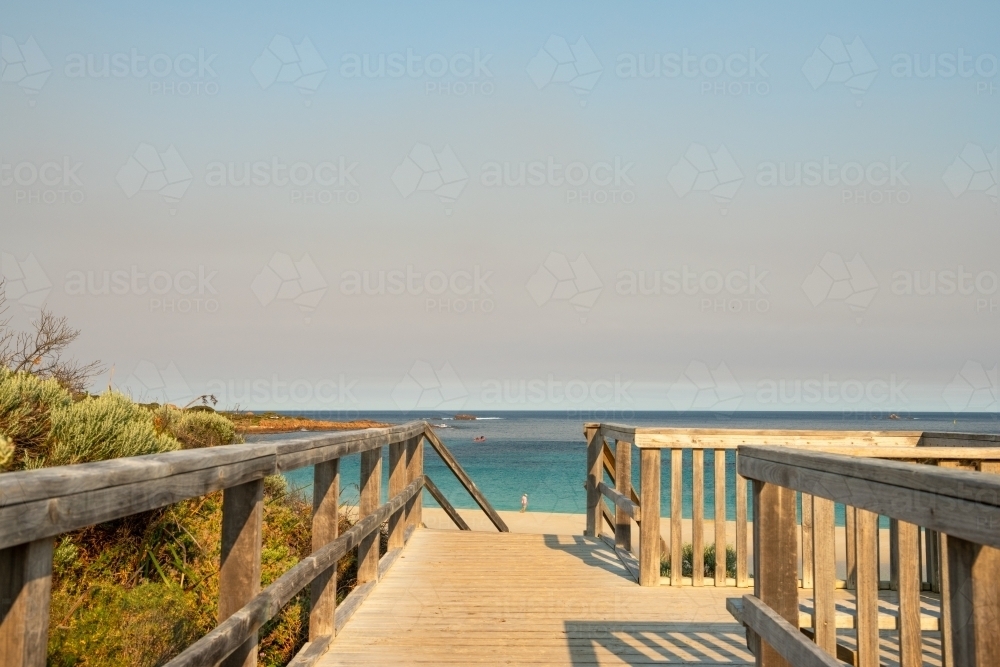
[[6, 452], [687, 562], [194, 428], [103, 427], [26, 405]]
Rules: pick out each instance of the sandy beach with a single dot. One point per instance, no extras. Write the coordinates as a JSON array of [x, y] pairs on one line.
[[555, 523]]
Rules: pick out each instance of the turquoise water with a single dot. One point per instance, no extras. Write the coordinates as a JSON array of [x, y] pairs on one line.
[[543, 453]]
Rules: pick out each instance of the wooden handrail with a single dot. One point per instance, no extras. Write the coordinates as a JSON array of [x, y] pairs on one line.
[[620, 501], [37, 505], [956, 502], [448, 508], [463, 477], [963, 506], [235, 630], [980, 452]]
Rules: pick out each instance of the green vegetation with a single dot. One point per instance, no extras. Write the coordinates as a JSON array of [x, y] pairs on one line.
[[687, 562], [138, 590]]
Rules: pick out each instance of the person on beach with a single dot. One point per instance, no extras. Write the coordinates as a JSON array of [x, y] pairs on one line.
[[524, 503]]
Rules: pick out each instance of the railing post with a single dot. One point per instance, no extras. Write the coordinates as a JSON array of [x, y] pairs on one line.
[[905, 541], [720, 518], [623, 484], [595, 473], [775, 559], [974, 592], [649, 529], [325, 529], [866, 587], [239, 575], [397, 482], [676, 528], [698, 518], [25, 590], [371, 480], [824, 574]]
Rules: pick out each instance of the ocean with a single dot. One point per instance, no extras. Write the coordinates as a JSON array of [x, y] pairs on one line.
[[543, 453]]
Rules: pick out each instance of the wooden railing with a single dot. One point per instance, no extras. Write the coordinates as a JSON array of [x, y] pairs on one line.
[[609, 454], [38, 505], [960, 506]]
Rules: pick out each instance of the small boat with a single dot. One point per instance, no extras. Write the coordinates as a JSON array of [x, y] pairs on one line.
[[479, 438]]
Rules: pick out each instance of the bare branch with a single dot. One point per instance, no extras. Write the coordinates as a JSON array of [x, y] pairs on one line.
[[41, 352]]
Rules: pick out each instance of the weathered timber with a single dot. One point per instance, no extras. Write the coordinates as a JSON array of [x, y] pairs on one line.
[[25, 587], [231, 633], [649, 529], [886, 487], [621, 502], [698, 518], [368, 502], [623, 485], [824, 575], [775, 561], [445, 505], [721, 556], [239, 573], [465, 480], [325, 529], [782, 637]]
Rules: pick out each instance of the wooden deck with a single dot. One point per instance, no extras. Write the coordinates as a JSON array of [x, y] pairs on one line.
[[465, 598], [471, 598]]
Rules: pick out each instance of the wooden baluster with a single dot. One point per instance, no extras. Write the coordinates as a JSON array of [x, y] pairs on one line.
[[397, 482], [824, 571], [905, 545], [775, 558], [742, 548], [412, 520], [720, 517], [974, 593], [623, 484], [239, 575], [676, 536], [595, 474], [893, 554], [649, 529], [25, 592], [371, 481], [866, 580], [325, 529], [850, 534], [418, 500], [698, 517], [807, 541], [939, 576]]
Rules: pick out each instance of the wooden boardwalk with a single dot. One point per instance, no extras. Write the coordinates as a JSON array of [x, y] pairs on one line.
[[466, 598]]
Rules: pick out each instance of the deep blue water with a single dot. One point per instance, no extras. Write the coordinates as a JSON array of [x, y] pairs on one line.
[[543, 453]]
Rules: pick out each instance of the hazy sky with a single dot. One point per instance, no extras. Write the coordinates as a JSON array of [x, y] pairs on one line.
[[574, 206]]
